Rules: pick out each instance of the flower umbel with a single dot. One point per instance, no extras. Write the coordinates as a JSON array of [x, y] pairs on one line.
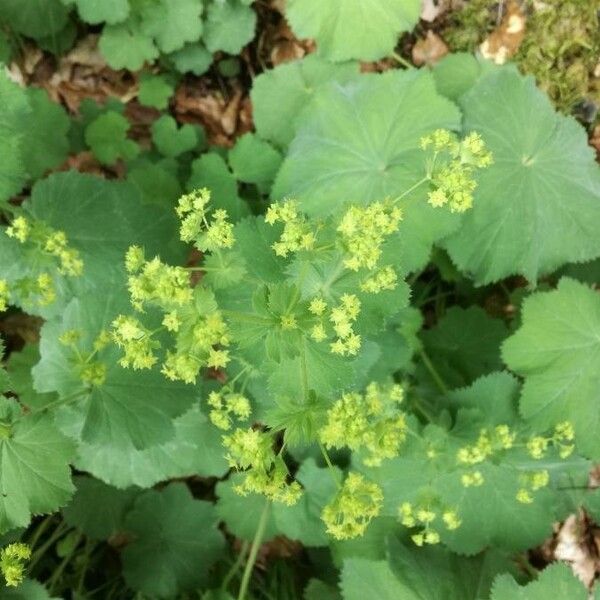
[[12, 558], [352, 509]]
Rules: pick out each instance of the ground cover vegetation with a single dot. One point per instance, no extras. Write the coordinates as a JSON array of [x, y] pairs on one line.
[[299, 300]]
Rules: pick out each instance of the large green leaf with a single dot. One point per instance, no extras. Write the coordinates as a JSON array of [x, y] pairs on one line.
[[555, 581], [537, 207], [176, 542], [129, 407], [557, 350], [280, 94], [45, 143], [194, 450], [465, 344], [15, 110], [360, 142], [91, 495], [34, 18], [361, 29], [35, 476]]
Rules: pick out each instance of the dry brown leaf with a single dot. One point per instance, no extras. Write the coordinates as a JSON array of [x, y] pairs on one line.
[[429, 50], [505, 40], [223, 118], [573, 547]]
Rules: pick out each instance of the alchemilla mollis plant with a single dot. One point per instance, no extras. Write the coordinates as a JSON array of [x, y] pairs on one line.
[[364, 339]]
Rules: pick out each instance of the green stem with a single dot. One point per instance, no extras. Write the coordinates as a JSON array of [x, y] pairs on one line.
[[258, 536], [330, 466], [51, 405], [61, 567], [402, 61], [38, 532], [235, 567], [412, 188], [432, 371], [58, 533]]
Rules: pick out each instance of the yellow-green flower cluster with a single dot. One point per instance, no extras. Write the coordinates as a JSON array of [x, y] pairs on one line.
[[423, 517], [193, 210], [363, 231], [562, 439], [383, 279], [489, 441], [156, 283], [349, 513], [452, 168], [4, 295], [472, 479], [12, 558], [48, 240], [228, 406], [342, 318], [532, 482], [136, 342], [198, 350], [297, 231], [266, 473], [19, 229], [70, 262], [371, 422]]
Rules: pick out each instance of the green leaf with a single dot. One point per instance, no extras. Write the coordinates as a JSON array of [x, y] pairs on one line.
[[465, 344], [107, 138], [457, 578], [490, 513], [172, 24], [363, 29], [363, 578], [194, 450], [176, 542], [171, 140], [280, 94], [210, 171], [107, 11], [45, 142], [455, 74], [241, 514], [15, 111], [493, 396], [28, 590], [192, 58], [103, 218], [34, 18], [302, 521], [19, 369], [253, 160], [557, 351], [537, 206], [83, 510], [229, 26], [155, 91], [129, 407], [360, 143], [156, 184], [555, 581], [317, 590], [125, 46], [35, 476]]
